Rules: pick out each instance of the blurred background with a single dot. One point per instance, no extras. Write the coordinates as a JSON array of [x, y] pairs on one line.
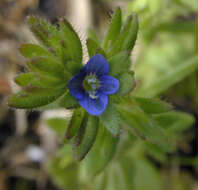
[[165, 61]]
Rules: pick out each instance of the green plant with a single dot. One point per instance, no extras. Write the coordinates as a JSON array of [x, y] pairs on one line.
[[127, 120]]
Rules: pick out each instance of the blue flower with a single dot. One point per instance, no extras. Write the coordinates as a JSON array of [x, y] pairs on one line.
[[92, 85]]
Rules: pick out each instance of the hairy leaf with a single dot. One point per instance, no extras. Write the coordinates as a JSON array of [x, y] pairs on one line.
[[33, 50], [145, 170], [153, 106], [75, 123], [73, 67], [42, 81], [48, 66], [110, 119], [68, 101], [24, 79], [89, 136], [34, 97], [127, 82], [72, 41], [119, 63], [102, 151], [43, 30], [94, 48], [114, 29], [174, 122], [126, 39], [93, 36], [135, 118]]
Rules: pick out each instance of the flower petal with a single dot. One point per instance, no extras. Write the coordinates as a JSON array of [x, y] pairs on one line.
[[94, 106], [97, 64], [109, 84], [75, 86]]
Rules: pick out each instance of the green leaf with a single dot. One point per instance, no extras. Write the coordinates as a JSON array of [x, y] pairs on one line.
[[58, 124], [119, 63], [42, 81], [175, 75], [100, 181], [33, 50], [114, 28], [75, 123], [68, 101], [126, 40], [118, 179], [93, 36], [110, 119], [127, 83], [77, 140], [155, 151], [51, 106], [102, 151], [135, 118], [35, 97], [49, 36], [146, 176], [48, 66], [130, 39], [43, 30], [153, 106], [73, 67], [94, 48], [89, 137], [127, 168], [24, 79], [174, 122], [63, 170], [57, 48], [72, 41]]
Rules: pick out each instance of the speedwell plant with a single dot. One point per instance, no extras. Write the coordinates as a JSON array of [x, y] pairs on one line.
[[99, 92]]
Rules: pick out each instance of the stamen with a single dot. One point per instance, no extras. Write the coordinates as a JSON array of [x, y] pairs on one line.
[[91, 84]]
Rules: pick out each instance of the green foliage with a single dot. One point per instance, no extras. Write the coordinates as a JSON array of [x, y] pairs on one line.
[[153, 106], [75, 122], [127, 83], [164, 82], [90, 129], [51, 66], [174, 122], [34, 97], [93, 36], [73, 67], [24, 79], [114, 144], [110, 119], [102, 152], [33, 50], [46, 81], [63, 170], [114, 29], [168, 52], [47, 34], [141, 124], [127, 37], [94, 48], [68, 101], [71, 41], [119, 63], [144, 170], [46, 66]]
